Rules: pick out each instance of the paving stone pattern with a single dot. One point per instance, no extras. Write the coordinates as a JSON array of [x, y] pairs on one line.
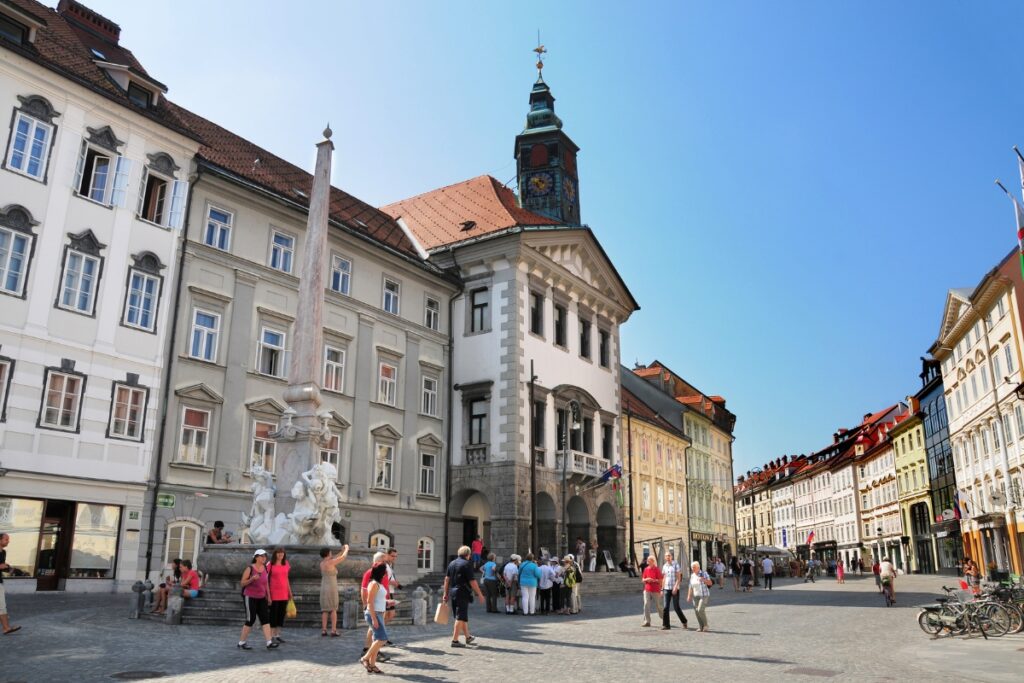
[[798, 632]]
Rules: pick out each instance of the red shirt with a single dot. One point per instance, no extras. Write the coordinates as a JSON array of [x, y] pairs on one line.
[[367, 579], [279, 588], [190, 579], [477, 547], [652, 586]]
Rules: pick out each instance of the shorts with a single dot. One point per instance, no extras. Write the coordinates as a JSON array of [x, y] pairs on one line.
[[3, 600], [460, 607], [379, 633], [256, 608]]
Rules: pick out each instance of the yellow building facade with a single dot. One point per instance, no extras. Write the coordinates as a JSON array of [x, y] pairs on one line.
[[654, 459], [915, 502]]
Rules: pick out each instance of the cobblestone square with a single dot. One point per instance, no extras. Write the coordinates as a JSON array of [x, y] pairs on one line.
[[796, 632]]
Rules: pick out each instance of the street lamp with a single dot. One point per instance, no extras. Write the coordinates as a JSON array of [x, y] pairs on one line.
[[879, 531], [574, 416]]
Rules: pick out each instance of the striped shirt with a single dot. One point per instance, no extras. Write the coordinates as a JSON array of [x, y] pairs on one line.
[[697, 585]]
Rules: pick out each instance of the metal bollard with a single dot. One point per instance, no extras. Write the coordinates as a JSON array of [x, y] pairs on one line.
[[136, 605], [149, 594]]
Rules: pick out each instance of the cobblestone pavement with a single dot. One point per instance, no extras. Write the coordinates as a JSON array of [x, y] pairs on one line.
[[796, 632]]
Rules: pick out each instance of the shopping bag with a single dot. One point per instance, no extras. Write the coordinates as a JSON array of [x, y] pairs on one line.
[[442, 613], [291, 611]]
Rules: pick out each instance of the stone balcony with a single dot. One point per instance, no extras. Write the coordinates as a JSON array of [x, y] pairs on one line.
[[582, 463]]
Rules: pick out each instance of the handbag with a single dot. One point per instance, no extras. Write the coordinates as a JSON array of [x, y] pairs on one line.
[[291, 611], [442, 613]]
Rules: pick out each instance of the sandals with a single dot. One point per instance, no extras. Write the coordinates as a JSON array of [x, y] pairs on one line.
[[370, 668], [13, 629], [334, 634], [323, 634]]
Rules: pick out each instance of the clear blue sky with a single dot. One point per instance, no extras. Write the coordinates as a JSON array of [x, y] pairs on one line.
[[789, 189]]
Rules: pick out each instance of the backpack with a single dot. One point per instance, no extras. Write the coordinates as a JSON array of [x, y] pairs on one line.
[[570, 578]]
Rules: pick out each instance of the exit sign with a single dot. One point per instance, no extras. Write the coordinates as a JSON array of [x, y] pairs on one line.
[[165, 500]]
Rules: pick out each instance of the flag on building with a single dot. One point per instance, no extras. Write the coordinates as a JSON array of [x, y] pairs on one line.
[[613, 472], [810, 537], [1018, 211], [960, 508]]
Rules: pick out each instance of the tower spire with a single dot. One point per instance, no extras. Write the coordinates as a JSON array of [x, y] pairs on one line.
[[541, 51]]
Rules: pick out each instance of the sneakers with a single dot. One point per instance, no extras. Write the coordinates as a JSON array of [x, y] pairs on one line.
[[272, 645], [470, 640], [666, 628], [278, 639], [456, 643], [244, 646]]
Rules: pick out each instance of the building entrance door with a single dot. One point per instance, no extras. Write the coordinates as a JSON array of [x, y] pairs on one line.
[[54, 546]]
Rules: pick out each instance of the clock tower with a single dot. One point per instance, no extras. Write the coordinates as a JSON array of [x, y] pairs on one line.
[[546, 159]]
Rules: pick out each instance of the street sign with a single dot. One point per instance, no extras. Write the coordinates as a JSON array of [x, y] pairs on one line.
[[165, 500]]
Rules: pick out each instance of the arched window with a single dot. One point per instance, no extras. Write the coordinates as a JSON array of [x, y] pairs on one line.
[[183, 541], [380, 541], [425, 555]]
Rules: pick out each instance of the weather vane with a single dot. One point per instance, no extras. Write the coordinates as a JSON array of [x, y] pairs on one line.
[[540, 53]]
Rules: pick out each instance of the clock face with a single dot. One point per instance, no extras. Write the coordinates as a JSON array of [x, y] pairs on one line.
[[539, 184], [569, 189]]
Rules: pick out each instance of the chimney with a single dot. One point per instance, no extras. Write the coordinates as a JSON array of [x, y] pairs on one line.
[[914, 404], [81, 15], [866, 416]]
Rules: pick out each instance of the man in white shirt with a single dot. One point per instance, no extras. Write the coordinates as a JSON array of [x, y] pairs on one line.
[[768, 569], [887, 573], [544, 584], [720, 573]]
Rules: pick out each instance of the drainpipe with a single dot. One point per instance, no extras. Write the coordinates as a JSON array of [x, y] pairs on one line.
[[171, 345], [629, 455], [451, 410]]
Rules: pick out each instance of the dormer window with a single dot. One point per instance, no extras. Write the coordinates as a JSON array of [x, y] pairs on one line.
[[12, 30], [139, 96]]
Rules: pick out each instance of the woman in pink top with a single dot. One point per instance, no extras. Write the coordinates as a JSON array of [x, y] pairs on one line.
[[280, 591]]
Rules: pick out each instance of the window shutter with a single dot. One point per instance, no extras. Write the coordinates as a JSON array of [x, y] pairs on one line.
[[142, 191], [80, 168], [177, 212], [121, 175]]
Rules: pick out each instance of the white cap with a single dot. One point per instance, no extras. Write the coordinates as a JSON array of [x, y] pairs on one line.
[[261, 551]]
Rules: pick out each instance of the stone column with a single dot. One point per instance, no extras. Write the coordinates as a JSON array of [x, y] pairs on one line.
[[302, 426]]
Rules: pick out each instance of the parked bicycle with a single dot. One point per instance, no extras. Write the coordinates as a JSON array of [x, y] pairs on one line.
[[955, 616]]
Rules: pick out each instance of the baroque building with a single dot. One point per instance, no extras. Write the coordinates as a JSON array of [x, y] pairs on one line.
[[912, 486], [979, 352], [709, 491], [384, 360], [655, 461], [539, 293], [92, 196], [875, 460]]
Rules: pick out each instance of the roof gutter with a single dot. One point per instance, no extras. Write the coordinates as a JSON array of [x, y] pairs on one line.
[[292, 204]]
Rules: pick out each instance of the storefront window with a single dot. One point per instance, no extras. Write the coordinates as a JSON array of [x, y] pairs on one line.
[[94, 550], [20, 518]]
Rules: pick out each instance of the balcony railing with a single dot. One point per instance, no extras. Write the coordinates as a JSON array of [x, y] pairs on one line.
[[476, 454], [582, 463]]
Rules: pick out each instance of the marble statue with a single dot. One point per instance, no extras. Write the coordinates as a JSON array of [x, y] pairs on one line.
[[317, 501], [260, 521], [316, 506]]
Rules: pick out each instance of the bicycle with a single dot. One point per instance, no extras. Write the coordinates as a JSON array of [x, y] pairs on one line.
[[985, 616], [887, 592]]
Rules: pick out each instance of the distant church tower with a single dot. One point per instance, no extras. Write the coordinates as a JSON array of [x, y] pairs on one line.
[[546, 158]]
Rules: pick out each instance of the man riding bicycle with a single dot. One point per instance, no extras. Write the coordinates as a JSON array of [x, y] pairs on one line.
[[887, 574]]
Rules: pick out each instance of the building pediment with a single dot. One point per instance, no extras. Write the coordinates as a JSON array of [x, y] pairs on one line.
[[337, 420], [199, 392], [386, 431], [430, 441], [266, 404], [574, 262]]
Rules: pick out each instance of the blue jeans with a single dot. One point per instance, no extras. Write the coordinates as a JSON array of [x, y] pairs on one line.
[[379, 633]]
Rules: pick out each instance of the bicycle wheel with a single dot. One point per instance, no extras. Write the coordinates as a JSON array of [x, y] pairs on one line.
[[1016, 617], [930, 622], [994, 618]]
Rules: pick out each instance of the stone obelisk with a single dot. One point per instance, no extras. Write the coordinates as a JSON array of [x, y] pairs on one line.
[[299, 441]]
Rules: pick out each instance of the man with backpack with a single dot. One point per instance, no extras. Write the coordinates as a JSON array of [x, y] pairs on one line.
[[571, 579]]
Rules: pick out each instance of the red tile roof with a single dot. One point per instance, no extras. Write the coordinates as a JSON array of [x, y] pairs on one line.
[[462, 211], [222, 148], [62, 45]]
